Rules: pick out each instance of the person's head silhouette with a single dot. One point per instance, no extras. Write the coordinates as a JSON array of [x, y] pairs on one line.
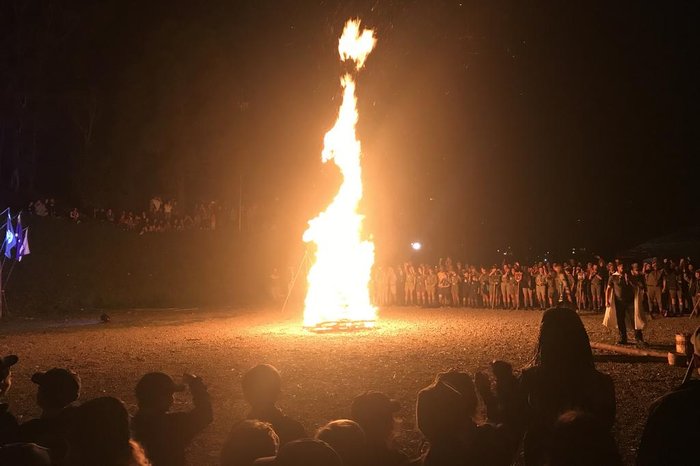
[[6, 363], [248, 441], [262, 386], [347, 438], [304, 452], [57, 389], [154, 392]]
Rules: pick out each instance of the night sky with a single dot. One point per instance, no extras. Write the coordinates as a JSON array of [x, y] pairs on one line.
[[536, 125]]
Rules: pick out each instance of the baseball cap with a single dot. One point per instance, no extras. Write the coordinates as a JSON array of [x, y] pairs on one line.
[[8, 361], [155, 385], [62, 384], [304, 452], [373, 405]]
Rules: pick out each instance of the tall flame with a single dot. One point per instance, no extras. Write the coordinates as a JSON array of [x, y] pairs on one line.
[[339, 277]]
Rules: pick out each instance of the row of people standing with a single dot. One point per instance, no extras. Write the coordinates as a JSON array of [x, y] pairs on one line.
[[669, 288]]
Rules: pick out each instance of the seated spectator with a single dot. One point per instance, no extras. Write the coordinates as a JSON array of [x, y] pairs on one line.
[[98, 434], [262, 386], [58, 390], [580, 439], [248, 441], [561, 377], [305, 452], [165, 435], [9, 429], [445, 414], [347, 438], [673, 428], [374, 412], [24, 454]]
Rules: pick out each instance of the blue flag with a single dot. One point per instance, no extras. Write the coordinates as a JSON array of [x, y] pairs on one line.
[[10, 238], [19, 231], [23, 246]]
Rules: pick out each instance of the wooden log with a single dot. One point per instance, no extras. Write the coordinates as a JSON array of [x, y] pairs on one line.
[[631, 351]]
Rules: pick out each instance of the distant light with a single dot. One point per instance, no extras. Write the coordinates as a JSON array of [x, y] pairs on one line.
[[416, 246]]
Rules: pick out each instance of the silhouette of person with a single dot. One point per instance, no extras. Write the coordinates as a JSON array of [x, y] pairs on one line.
[[445, 413], [9, 428], [58, 390], [560, 378], [248, 441], [672, 430], [304, 452], [165, 435], [347, 438], [262, 386], [98, 434], [374, 412]]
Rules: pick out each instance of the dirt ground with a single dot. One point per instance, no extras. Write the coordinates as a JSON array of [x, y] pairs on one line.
[[321, 373]]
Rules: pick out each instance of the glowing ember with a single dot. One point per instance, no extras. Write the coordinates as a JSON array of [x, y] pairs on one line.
[[338, 291]]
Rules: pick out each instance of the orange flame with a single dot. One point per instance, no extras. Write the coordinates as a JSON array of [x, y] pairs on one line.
[[338, 280]]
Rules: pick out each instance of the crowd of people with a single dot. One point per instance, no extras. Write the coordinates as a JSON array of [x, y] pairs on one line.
[[557, 411], [162, 215], [670, 287]]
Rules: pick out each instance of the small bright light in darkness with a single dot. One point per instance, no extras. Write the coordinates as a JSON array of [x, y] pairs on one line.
[[416, 246]]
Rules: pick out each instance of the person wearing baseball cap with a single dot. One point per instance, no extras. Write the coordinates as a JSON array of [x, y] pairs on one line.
[[9, 428], [57, 394], [303, 452], [165, 435], [673, 427], [374, 412]]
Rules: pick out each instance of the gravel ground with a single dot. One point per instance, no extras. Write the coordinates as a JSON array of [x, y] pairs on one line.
[[321, 372]]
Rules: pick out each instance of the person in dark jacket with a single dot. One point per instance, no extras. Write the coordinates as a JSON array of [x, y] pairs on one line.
[[165, 435]]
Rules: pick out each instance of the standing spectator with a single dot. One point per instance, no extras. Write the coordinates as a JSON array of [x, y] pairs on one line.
[[619, 297], [596, 281], [653, 278], [421, 287], [454, 288], [374, 412], [262, 387], [495, 277], [410, 286], [541, 287], [168, 210], [165, 435], [671, 285], [431, 282], [9, 428]]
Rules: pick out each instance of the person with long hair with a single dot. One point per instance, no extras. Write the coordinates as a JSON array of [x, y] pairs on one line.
[[561, 377]]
